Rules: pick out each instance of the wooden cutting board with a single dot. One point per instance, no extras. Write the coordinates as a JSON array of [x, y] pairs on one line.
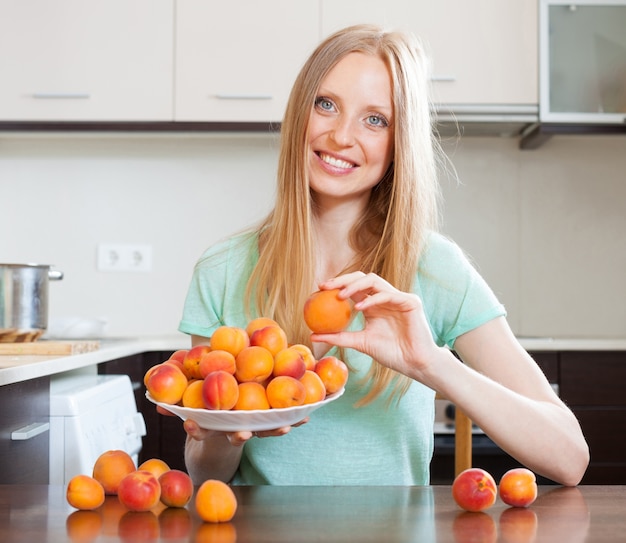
[[46, 348]]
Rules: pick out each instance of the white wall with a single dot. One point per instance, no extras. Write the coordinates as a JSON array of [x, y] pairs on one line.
[[545, 227]]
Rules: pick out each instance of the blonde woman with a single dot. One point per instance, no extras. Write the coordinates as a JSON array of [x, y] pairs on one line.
[[356, 209]]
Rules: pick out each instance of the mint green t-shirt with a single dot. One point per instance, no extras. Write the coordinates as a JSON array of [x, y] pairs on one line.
[[377, 444]]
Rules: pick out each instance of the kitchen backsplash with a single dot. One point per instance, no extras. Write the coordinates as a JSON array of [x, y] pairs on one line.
[[545, 227]]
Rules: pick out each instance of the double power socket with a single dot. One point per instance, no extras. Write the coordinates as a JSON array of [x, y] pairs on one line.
[[124, 257]]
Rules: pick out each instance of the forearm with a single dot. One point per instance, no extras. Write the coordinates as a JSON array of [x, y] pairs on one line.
[[538, 430], [211, 458]]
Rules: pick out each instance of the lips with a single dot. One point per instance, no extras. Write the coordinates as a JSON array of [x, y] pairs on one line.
[[336, 162]]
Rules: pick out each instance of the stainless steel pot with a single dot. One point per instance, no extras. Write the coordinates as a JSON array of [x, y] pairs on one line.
[[24, 301]]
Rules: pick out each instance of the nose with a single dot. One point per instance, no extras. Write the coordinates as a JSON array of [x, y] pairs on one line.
[[342, 131]]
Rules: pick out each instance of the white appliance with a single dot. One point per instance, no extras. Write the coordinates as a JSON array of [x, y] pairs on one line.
[[89, 415]]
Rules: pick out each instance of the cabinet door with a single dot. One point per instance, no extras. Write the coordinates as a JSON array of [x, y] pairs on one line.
[[25, 432], [236, 61], [484, 52], [86, 60]]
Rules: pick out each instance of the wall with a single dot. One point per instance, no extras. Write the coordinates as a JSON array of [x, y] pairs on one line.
[[545, 227]]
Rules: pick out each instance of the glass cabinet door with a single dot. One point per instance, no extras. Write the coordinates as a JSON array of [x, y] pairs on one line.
[[583, 61]]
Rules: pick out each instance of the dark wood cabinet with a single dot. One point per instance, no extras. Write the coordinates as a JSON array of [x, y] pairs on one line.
[[165, 436], [593, 385], [25, 408]]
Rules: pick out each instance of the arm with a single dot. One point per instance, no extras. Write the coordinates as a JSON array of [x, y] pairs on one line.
[[499, 386], [216, 455]]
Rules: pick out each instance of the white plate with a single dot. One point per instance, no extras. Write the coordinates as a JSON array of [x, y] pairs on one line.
[[256, 420]]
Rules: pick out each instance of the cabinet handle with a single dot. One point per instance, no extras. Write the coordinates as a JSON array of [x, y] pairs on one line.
[[30, 431], [443, 78], [61, 95], [244, 96]]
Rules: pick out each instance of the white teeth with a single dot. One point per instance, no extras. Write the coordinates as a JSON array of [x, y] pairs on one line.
[[336, 162]]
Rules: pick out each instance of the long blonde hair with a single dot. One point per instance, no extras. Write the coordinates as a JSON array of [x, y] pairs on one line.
[[403, 206]]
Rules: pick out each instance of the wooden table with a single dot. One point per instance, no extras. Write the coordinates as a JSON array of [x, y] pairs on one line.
[[597, 514]]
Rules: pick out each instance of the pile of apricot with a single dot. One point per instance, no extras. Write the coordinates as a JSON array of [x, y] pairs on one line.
[[150, 486], [246, 369]]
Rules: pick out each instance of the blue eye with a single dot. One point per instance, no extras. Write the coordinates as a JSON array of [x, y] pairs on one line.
[[324, 103], [377, 120]]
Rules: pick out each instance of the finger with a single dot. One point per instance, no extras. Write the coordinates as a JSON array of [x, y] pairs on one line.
[[164, 411], [194, 431]]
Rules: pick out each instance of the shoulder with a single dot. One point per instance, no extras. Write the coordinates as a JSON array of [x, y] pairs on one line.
[[442, 259], [236, 250]]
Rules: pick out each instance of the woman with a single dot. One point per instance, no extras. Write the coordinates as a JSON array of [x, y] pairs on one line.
[[356, 210]]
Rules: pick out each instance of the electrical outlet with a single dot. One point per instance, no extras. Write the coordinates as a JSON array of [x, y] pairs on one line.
[[124, 257]]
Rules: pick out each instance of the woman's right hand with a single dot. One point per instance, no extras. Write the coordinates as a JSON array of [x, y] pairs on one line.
[[194, 431]]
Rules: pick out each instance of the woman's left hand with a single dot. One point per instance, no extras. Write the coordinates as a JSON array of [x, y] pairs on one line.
[[396, 332]]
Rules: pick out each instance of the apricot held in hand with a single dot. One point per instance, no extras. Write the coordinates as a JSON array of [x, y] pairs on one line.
[[326, 313], [518, 487], [474, 489]]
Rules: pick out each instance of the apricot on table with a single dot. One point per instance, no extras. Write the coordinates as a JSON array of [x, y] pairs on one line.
[[111, 467], [84, 492], [176, 488], [215, 501], [326, 313], [139, 491], [474, 489], [518, 487], [156, 466]]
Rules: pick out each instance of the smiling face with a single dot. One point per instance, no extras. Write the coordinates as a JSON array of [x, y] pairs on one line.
[[351, 129]]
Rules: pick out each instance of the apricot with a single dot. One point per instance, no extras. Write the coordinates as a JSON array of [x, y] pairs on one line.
[[220, 390], [215, 501], [272, 337], [111, 467], [314, 387], [192, 360], [84, 492], [139, 491], [254, 363], [230, 339], [326, 313], [179, 364], [176, 488], [167, 384], [333, 373], [307, 355], [192, 397], [156, 466], [148, 373], [285, 391], [290, 362], [252, 395], [258, 323], [474, 489], [518, 487], [217, 360], [179, 355]]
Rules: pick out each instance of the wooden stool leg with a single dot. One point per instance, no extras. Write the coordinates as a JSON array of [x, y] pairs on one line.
[[462, 442]]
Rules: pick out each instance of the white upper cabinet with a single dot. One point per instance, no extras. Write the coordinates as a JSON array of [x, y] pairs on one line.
[[237, 61], [86, 60], [484, 52]]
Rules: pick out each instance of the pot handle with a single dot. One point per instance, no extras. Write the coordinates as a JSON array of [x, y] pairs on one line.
[[55, 275]]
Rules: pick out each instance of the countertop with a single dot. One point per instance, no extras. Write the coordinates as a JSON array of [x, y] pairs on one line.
[[332, 514], [14, 369]]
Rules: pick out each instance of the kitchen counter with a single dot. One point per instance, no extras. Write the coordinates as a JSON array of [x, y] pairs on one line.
[[15, 369], [331, 514]]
